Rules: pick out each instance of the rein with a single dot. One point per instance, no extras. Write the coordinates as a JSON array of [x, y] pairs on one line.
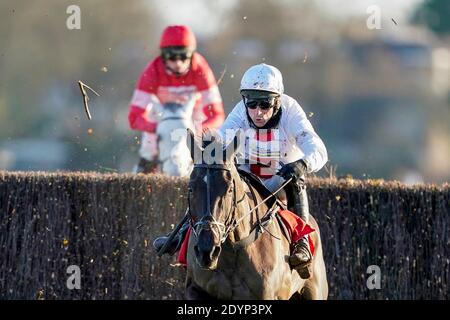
[[171, 118], [259, 204]]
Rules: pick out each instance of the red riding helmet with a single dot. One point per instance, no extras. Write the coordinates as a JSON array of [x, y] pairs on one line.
[[178, 36]]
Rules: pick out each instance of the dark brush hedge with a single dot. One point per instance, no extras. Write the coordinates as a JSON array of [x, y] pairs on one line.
[[105, 224]]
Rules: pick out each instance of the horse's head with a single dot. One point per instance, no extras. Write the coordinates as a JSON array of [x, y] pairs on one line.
[[173, 154], [212, 198]]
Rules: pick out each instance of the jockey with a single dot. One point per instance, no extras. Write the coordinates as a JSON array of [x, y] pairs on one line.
[[178, 75], [280, 144]]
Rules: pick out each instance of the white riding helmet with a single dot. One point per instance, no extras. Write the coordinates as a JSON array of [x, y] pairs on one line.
[[263, 77]]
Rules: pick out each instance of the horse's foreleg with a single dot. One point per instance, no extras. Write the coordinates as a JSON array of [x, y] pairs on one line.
[[194, 292]]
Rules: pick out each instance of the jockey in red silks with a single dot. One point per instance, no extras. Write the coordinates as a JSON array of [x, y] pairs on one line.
[[178, 75], [280, 143]]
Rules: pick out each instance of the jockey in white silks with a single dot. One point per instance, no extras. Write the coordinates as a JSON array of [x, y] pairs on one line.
[[280, 143]]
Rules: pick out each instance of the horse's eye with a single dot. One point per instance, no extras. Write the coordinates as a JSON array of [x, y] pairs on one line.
[[190, 189]]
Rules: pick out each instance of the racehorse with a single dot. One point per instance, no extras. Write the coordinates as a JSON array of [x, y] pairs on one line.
[[229, 256], [173, 154]]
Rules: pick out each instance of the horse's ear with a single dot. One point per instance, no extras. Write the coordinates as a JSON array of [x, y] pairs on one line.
[[233, 146], [192, 145]]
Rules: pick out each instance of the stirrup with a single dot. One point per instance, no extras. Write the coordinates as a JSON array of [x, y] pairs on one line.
[[302, 267], [171, 248], [175, 243], [304, 271]]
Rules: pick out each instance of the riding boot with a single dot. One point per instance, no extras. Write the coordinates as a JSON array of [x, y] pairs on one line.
[[301, 256], [174, 244], [146, 166]]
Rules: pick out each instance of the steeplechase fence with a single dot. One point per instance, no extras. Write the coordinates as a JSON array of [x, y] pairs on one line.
[[382, 240]]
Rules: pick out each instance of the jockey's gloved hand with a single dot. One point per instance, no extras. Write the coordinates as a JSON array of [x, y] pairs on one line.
[[293, 170]]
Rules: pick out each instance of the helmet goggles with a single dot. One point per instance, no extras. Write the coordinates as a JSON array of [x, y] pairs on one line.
[[262, 99], [176, 53]]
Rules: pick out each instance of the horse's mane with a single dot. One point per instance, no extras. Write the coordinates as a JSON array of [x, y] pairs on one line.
[[208, 136]]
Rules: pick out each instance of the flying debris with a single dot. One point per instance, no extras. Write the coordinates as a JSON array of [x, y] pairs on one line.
[[86, 97]]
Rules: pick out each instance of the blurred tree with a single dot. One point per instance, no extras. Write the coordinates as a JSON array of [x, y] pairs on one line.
[[365, 92], [435, 15], [39, 54]]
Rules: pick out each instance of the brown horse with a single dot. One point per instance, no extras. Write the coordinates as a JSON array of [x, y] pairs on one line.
[[236, 251]]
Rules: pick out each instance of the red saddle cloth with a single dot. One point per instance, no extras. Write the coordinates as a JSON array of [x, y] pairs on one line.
[[294, 224]]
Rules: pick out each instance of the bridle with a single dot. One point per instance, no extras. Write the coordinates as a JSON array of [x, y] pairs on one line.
[[224, 229], [208, 220]]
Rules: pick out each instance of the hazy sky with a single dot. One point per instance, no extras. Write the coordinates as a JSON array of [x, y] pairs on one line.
[[205, 18], [397, 9]]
